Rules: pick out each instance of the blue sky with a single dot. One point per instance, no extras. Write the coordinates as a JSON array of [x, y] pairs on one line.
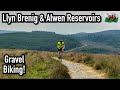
[[62, 28]]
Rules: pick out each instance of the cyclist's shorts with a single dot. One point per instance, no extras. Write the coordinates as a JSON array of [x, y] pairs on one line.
[[60, 49]]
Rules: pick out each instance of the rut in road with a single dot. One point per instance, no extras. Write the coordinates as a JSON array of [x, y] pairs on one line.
[[81, 71]]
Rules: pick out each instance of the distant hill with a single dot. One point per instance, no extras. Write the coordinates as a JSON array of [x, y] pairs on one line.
[[100, 42], [110, 37], [7, 31], [105, 42], [36, 40]]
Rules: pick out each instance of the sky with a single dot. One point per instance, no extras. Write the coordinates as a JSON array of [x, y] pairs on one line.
[[62, 28]]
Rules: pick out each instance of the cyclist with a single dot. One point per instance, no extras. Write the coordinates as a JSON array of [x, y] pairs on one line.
[[61, 48]]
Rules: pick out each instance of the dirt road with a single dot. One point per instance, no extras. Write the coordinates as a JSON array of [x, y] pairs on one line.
[[81, 71]]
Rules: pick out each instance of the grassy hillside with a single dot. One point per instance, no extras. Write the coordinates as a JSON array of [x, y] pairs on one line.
[[109, 64], [99, 42], [96, 48], [37, 40], [105, 42], [39, 65]]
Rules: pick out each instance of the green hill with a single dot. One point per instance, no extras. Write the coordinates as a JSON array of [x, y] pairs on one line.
[[105, 42], [99, 42], [110, 37], [36, 40]]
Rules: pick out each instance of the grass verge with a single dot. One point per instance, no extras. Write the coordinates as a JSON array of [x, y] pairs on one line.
[[110, 64]]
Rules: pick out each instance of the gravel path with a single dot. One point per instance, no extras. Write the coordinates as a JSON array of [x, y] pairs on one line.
[[81, 71]]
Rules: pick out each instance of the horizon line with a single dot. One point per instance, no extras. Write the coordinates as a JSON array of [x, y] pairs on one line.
[[60, 33]]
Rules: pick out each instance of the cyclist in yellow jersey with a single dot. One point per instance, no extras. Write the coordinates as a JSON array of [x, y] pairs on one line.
[[60, 47]]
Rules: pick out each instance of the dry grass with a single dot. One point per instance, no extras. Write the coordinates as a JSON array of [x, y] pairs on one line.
[[39, 65], [106, 63]]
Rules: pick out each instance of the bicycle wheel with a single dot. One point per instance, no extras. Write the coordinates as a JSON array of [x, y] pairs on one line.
[[61, 56]]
